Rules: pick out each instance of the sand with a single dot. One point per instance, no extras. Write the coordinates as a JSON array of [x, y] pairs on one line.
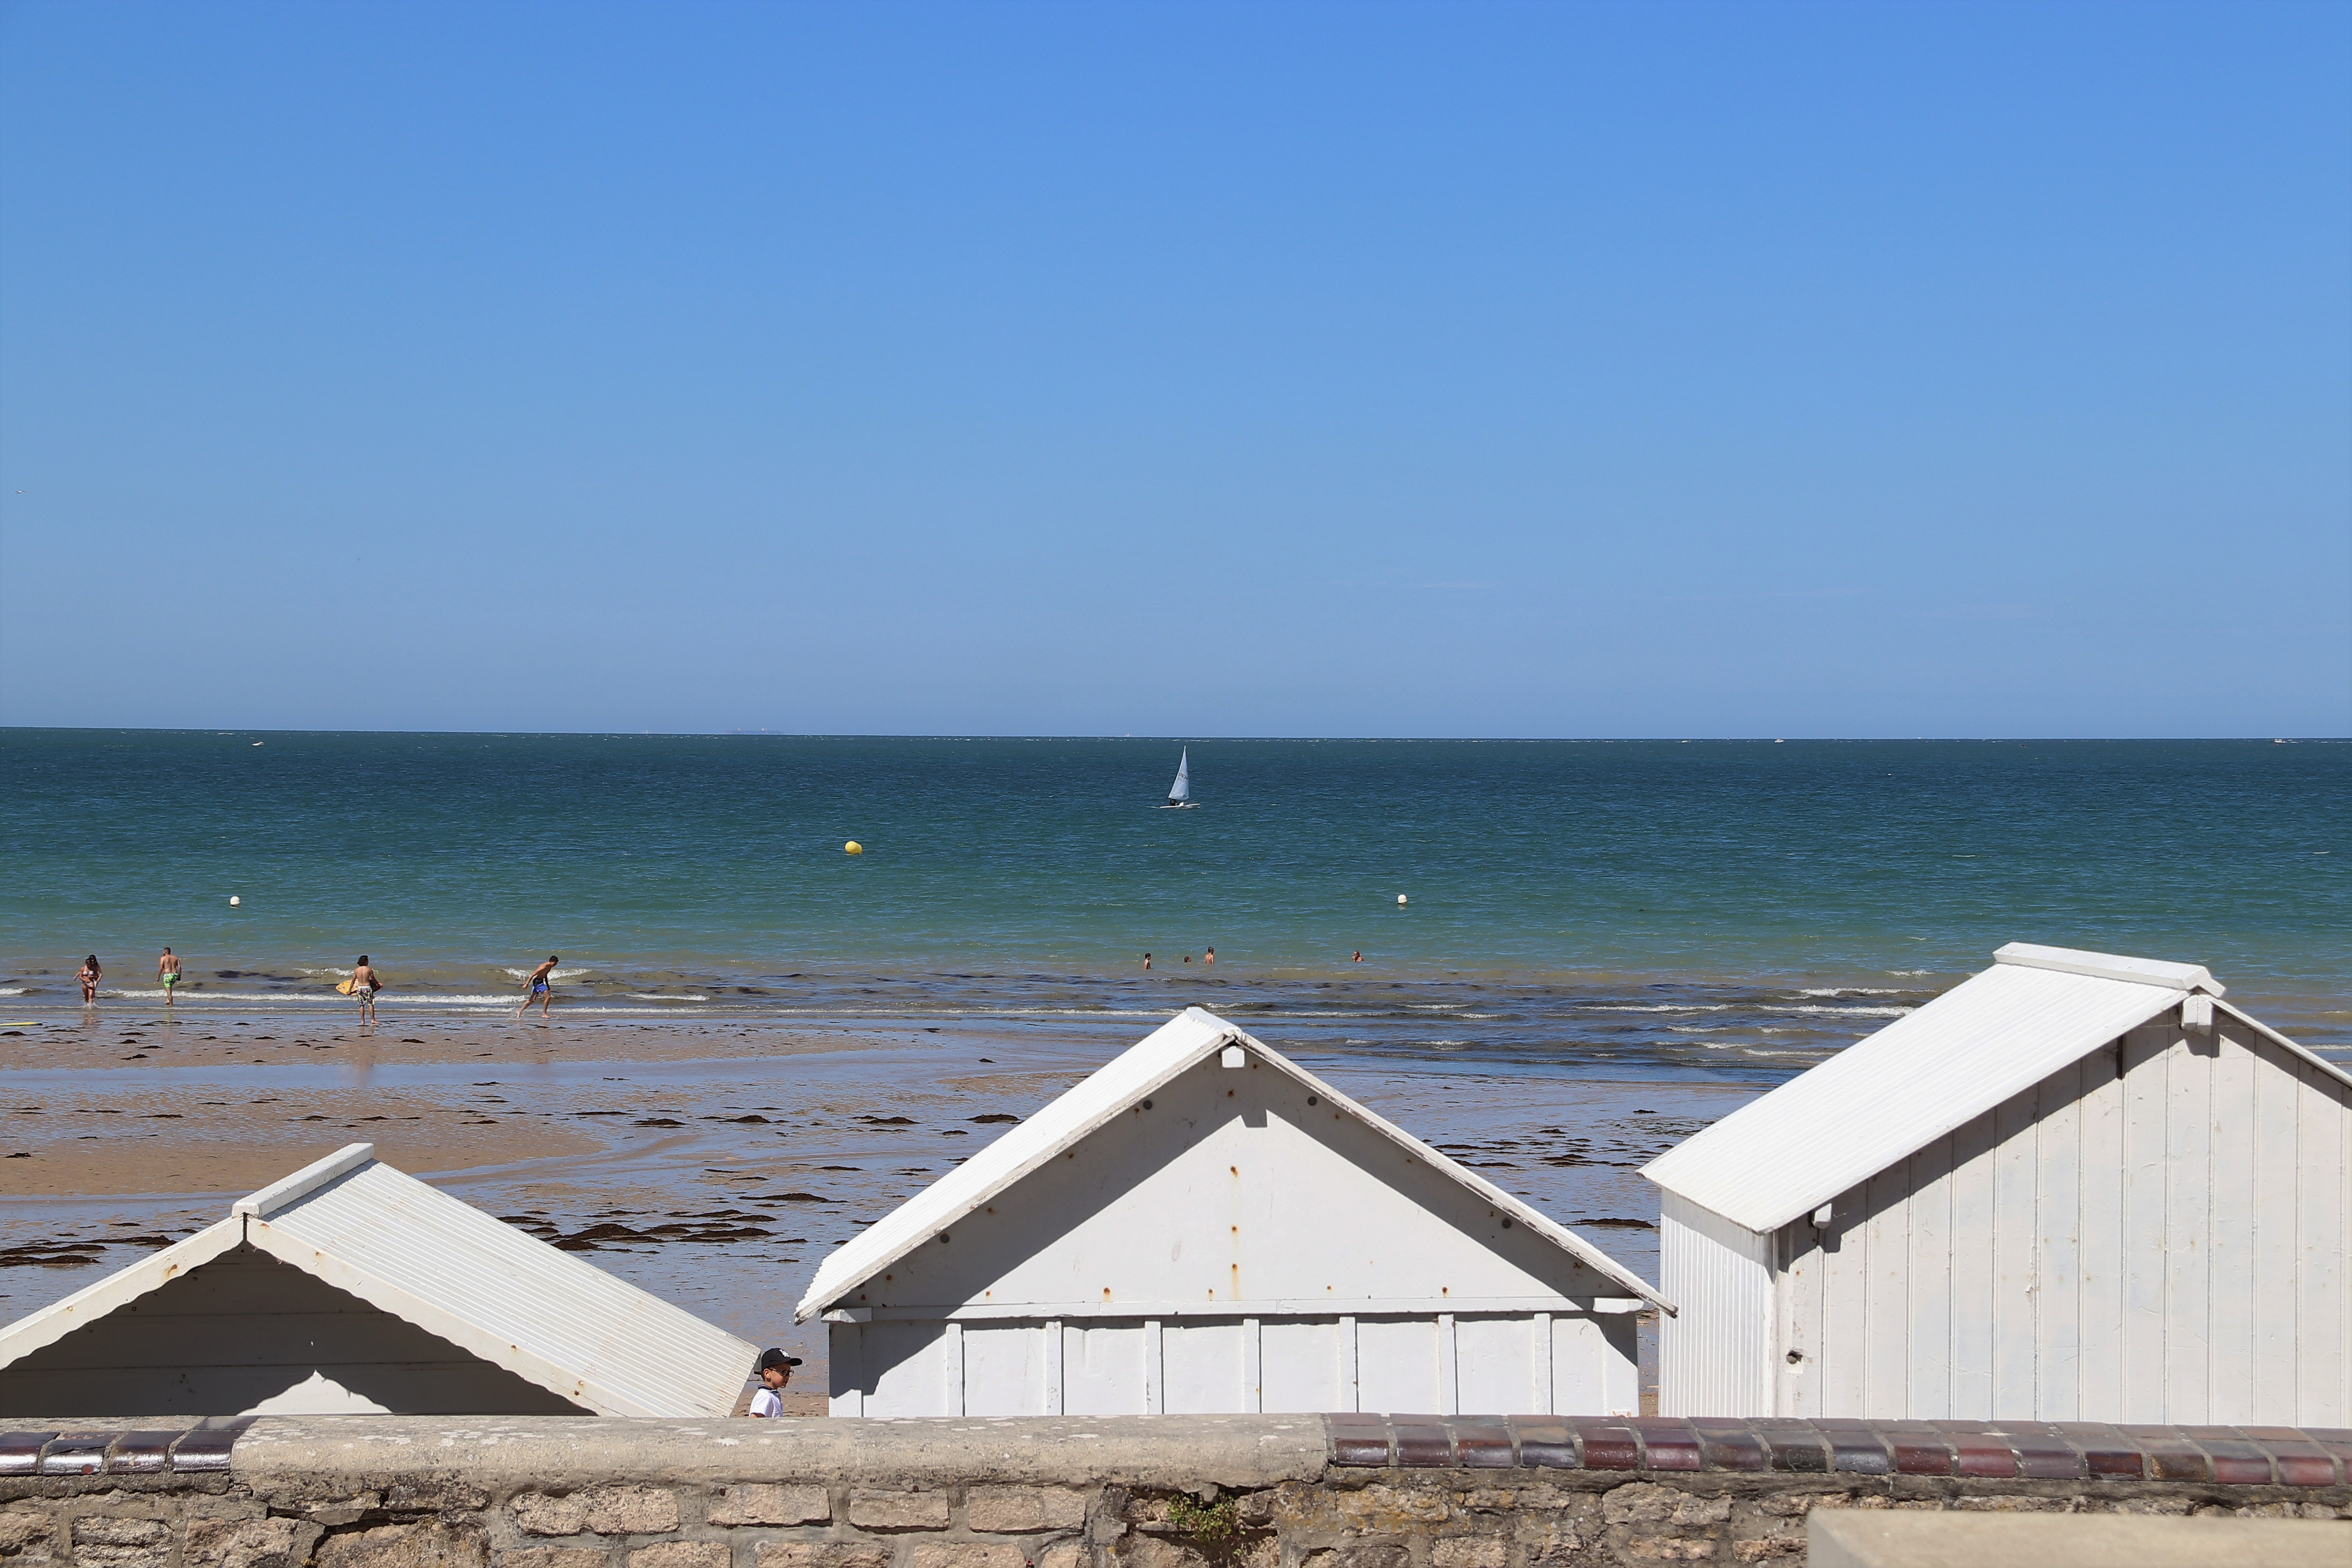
[[714, 1161]]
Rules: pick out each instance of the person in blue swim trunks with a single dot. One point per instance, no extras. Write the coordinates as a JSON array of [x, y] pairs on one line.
[[538, 988]]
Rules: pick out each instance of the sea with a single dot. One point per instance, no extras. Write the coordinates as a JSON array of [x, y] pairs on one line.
[[1778, 893], [1487, 941]]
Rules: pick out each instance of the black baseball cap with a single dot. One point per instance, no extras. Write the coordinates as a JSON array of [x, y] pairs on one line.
[[769, 1358]]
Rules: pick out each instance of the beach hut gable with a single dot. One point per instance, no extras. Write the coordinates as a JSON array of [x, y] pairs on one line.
[[1192, 1203], [1204, 1226], [2076, 1187], [351, 1286]]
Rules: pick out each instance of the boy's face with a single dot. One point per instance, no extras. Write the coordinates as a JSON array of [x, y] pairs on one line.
[[775, 1376]]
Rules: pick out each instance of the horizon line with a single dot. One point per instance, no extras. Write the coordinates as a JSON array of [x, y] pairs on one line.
[[761, 735]]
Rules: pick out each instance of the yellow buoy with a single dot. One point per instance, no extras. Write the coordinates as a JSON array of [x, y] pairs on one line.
[[852, 848]]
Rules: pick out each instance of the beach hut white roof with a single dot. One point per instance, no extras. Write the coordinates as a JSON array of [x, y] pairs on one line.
[[1203, 1227], [2075, 1187], [496, 1294], [1142, 1069], [2036, 1010]]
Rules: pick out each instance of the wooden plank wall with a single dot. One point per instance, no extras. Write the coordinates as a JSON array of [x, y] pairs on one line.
[[246, 1328], [1524, 1362], [2156, 1234]]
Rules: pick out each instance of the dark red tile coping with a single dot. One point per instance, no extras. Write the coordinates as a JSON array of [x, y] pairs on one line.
[[1484, 1444], [2335, 1442], [1606, 1443], [2042, 1452], [1978, 1448], [2235, 1461], [1726, 1445], [1795, 1446], [2108, 1454], [1545, 1443], [2171, 1456], [1426, 1448], [1668, 1443], [1361, 1444], [1918, 1448], [1855, 1448], [2299, 1463], [20, 1452]]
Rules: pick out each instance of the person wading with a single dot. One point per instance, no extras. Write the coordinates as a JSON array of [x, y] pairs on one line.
[[167, 970], [540, 987], [366, 983]]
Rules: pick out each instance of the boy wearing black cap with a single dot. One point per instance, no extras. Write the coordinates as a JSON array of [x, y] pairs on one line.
[[775, 1370]]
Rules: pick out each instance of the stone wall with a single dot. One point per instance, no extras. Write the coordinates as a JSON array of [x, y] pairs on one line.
[[1343, 1491]]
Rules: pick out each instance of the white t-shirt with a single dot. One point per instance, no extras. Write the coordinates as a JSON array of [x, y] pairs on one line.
[[767, 1402]]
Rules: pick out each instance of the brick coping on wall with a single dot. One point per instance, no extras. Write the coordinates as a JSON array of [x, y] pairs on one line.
[[1231, 1450]]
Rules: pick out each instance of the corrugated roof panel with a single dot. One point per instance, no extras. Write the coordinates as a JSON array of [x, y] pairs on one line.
[[1879, 1100], [508, 1297], [1170, 1050]]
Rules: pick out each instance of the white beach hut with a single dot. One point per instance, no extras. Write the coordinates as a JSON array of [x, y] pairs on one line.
[[1203, 1227], [351, 1287], [2076, 1187]]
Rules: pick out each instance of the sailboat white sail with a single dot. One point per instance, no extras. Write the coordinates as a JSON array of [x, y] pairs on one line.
[[1180, 794]]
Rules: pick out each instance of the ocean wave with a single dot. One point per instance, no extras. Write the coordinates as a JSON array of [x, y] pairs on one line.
[[657, 996], [551, 975], [1851, 1012], [1660, 1007], [11, 991], [1853, 991]]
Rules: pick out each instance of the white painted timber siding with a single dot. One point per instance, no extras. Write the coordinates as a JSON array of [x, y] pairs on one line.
[[1536, 1362], [1714, 1356], [1236, 1239], [246, 1332], [2156, 1233]]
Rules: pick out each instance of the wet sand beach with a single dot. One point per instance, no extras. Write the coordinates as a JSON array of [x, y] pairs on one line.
[[716, 1153], [714, 1161]]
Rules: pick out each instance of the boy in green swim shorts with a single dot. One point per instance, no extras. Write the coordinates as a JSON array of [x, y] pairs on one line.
[[167, 970]]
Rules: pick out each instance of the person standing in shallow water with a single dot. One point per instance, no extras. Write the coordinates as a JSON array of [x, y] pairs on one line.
[[366, 983], [1147, 961], [540, 987], [167, 970], [88, 978]]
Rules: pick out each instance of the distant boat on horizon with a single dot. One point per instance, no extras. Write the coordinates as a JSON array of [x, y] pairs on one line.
[[1180, 794]]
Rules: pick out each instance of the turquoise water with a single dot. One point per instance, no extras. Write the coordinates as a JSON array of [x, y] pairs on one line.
[[705, 873], [1605, 947]]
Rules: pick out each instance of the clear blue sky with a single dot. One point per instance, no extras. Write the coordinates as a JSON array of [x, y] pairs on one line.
[[1190, 369]]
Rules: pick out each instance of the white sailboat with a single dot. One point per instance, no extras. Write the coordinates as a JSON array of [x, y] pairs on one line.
[[1180, 794]]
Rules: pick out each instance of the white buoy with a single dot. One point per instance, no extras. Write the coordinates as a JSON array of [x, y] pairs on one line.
[[234, 900], [1399, 898]]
